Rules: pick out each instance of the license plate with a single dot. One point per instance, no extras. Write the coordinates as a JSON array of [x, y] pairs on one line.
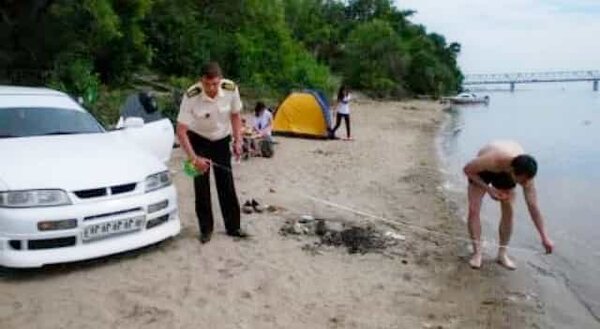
[[106, 229]]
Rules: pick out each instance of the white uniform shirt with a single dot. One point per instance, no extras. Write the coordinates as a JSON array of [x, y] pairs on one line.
[[210, 117], [262, 122], [344, 105]]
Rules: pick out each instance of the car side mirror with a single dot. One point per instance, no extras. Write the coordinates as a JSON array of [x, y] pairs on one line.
[[133, 122]]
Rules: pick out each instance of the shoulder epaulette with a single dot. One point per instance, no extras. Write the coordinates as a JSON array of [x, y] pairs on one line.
[[193, 91], [228, 85]]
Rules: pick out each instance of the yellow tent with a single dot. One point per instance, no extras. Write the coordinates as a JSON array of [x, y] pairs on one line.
[[303, 114]]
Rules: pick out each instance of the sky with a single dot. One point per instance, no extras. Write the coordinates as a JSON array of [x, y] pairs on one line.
[[504, 36]]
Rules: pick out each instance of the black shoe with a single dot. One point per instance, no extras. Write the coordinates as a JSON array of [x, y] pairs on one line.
[[257, 207], [205, 237], [239, 234], [247, 207]]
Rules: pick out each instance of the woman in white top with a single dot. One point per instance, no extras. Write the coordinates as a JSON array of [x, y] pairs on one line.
[[342, 108], [263, 121]]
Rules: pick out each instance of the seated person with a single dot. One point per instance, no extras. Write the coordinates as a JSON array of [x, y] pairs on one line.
[[263, 121], [249, 136]]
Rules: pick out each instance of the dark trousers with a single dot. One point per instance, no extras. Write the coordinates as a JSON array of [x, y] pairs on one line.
[[219, 153], [338, 121]]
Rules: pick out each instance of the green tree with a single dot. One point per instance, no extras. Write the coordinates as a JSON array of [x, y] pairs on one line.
[[281, 60], [319, 25], [267, 45], [376, 59], [411, 61], [179, 37], [367, 10]]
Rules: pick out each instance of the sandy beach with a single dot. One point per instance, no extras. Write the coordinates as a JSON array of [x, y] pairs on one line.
[[274, 281]]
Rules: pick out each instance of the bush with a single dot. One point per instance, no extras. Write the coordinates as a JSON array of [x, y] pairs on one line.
[[76, 77], [107, 108]]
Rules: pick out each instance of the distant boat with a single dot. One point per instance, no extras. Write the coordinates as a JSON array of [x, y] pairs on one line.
[[468, 98]]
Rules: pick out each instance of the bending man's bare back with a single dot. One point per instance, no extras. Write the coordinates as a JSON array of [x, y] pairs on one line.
[[497, 169]]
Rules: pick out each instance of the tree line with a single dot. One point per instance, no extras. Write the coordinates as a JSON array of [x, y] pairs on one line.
[[268, 46]]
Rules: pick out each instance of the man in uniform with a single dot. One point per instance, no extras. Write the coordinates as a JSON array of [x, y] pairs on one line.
[[208, 117], [497, 169]]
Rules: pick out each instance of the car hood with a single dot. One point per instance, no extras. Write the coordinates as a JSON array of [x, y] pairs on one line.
[[73, 162]]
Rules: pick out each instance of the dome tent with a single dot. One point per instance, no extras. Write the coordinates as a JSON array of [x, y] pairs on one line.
[[305, 114]]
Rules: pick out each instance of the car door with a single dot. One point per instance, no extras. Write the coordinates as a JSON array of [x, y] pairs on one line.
[[149, 130], [155, 137]]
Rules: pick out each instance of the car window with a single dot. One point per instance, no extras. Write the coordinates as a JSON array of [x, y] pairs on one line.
[[38, 121], [141, 105]]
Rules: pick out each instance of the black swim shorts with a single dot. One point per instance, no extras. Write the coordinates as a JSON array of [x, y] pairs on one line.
[[499, 180]]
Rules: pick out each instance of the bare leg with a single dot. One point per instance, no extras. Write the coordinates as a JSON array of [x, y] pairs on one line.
[[505, 231], [475, 194]]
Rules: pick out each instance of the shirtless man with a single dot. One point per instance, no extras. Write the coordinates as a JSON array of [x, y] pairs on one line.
[[497, 169]]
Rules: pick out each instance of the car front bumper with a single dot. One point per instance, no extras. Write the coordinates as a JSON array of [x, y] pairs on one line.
[[23, 245]]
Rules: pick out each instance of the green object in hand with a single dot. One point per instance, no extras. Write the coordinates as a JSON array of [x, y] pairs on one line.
[[189, 169]]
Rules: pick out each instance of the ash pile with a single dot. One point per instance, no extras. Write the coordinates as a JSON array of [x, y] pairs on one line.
[[357, 239]]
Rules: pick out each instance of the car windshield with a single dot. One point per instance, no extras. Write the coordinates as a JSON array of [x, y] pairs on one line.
[[40, 121]]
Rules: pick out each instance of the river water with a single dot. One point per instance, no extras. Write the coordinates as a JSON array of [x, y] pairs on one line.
[[560, 126]]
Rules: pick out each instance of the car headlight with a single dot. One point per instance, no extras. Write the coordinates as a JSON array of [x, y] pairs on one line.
[[157, 181], [34, 198]]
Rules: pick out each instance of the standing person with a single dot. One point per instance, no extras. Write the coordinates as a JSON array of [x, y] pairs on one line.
[[208, 117], [497, 169], [342, 109]]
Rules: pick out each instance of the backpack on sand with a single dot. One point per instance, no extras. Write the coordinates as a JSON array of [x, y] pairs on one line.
[[266, 148]]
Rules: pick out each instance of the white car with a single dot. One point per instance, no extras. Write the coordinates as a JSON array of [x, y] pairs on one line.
[[70, 190]]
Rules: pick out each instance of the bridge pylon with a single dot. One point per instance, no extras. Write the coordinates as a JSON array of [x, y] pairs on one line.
[[596, 85], [512, 87]]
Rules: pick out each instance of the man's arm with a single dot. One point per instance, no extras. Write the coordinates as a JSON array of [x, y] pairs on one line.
[[199, 162], [184, 119], [476, 166], [184, 140], [236, 126], [236, 123], [536, 216]]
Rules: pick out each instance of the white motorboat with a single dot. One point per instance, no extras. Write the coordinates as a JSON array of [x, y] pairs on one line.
[[468, 98]]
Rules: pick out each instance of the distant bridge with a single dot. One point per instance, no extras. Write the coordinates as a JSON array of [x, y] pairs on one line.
[[514, 78]]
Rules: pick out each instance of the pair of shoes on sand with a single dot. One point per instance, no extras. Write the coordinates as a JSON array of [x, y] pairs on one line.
[[251, 206]]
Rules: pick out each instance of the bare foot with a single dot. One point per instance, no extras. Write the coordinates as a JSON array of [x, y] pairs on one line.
[[475, 261], [506, 262]]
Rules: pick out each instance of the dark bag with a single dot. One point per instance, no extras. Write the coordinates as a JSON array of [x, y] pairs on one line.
[[266, 148]]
